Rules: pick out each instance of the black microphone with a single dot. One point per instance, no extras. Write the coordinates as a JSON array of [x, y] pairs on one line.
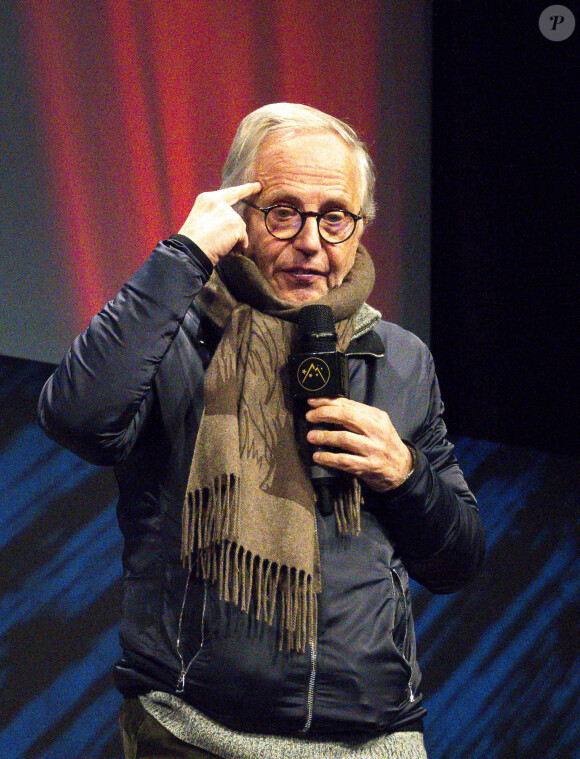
[[317, 370]]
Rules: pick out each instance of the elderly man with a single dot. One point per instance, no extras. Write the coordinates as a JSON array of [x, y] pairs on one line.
[[255, 623]]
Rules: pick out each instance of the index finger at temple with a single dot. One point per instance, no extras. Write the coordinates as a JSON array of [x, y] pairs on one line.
[[232, 195]]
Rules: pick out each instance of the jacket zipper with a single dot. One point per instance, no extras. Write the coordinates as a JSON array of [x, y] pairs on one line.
[[406, 611], [310, 690], [180, 687], [313, 662]]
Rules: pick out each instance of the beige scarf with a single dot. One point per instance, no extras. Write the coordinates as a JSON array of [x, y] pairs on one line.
[[249, 516]]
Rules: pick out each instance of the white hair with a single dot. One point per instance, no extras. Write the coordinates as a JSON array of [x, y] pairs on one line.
[[292, 118]]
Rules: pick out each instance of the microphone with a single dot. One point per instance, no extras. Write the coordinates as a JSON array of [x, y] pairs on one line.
[[317, 370]]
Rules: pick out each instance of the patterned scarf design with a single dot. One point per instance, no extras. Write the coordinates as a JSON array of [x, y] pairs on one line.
[[249, 516]]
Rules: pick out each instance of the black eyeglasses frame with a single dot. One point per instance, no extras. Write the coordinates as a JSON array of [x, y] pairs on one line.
[[303, 216]]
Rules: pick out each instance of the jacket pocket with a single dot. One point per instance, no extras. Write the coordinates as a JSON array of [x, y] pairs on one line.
[[400, 615], [401, 624]]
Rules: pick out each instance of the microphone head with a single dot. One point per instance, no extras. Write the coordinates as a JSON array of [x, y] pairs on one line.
[[316, 319], [316, 324]]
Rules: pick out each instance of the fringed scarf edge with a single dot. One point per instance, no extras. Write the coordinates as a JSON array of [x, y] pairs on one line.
[[245, 578]]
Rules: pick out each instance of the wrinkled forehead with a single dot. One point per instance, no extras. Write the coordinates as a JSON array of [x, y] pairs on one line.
[[308, 162]]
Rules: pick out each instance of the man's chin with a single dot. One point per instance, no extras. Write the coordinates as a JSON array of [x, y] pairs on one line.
[[299, 293], [300, 296]]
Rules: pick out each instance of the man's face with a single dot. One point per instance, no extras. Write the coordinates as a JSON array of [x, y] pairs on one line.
[[312, 172]]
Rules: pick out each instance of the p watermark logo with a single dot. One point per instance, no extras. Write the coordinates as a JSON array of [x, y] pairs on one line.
[[557, 23]]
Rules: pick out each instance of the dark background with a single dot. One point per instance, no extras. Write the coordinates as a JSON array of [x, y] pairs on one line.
[[505, 228]]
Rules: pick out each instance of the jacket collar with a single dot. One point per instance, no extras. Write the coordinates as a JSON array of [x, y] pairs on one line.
[[365, 341]]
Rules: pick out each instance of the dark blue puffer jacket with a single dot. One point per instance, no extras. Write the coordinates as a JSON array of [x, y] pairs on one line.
[[129, 394]]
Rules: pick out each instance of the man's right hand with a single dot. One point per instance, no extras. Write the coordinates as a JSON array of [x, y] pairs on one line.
[[214, 226]]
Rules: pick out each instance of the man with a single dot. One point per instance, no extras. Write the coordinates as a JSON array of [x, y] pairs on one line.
[[253, 624]]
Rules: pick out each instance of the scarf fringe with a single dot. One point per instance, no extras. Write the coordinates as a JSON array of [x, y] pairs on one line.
[[347, 509], [209, 518], [245, 580]]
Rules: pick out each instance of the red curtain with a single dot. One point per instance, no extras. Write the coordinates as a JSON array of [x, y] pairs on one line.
[[139, 101]]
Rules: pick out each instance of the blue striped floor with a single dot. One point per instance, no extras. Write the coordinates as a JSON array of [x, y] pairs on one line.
[[500, 660]]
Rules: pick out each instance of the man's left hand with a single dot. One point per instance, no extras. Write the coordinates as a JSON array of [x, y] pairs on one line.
[[370, 447]]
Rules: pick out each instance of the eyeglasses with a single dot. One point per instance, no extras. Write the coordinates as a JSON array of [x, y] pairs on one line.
[[286, 222]]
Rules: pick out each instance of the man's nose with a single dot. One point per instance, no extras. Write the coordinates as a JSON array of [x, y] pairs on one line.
[[308, 239]]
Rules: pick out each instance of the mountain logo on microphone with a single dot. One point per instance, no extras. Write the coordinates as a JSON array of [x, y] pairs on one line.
[[313, 374]]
